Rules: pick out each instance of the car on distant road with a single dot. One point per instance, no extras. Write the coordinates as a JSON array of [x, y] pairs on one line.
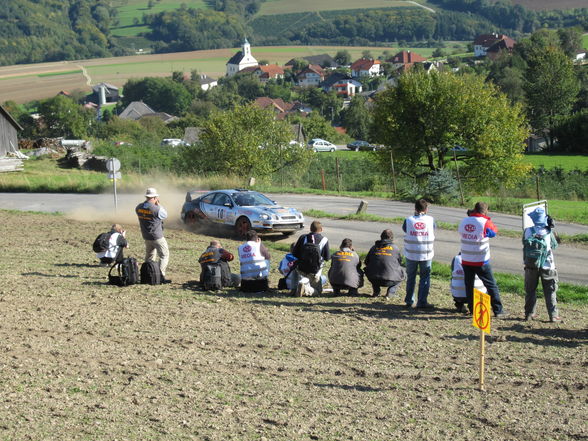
[[241, 210], [320, 145], [358, 145]]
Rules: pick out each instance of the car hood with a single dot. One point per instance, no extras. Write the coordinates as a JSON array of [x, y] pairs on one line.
[[274, 209]]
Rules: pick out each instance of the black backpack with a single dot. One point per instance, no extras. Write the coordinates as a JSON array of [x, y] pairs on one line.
[[127, 272], [310, 256], [101, 243], [211, 277], [151, 273]]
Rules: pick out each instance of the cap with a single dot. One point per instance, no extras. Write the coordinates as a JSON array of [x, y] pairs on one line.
[[151, 193], [538, 217]]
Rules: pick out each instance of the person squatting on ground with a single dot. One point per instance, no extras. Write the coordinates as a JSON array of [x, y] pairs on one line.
[[255, 264], [419, 237], [542, 269], [457, 286], [475, 232], [151, 216], [383, 265], [116, 243], [345, 271], [312, 251], [286, 266], [216, 255]]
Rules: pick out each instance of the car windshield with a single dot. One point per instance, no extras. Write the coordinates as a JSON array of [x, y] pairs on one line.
[[249, 199]]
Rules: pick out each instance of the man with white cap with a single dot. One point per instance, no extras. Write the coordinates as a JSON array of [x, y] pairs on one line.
[[151, 215], [538, 245]]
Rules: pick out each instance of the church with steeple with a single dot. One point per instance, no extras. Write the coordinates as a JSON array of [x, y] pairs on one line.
[[241, 59]]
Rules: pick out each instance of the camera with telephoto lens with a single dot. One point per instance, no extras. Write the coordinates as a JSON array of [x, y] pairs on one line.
[[550, 223]]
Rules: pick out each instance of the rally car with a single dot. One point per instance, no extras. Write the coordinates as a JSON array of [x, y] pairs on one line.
[[241, 210]]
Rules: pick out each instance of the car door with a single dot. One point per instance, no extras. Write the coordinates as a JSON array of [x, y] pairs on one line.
[[225, 209], [208, 208]]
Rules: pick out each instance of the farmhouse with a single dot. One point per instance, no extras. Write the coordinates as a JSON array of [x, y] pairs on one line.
[[312, 76], [322, 60], [111, 94], [282, 108], [206, 82], [342, 85], [138, 109], [9, 129], [265, 73], [491, 44], [404, 60], [241, 60], [365, 67]]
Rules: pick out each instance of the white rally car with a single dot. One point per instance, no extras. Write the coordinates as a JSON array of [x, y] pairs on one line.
[[241, 210]]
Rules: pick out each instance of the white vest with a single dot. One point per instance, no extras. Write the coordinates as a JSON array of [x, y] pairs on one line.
[[253, 264], [419, 237], [475, 248], [458, 282]]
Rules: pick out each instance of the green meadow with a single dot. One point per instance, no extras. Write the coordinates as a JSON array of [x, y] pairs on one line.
[[277, 7]]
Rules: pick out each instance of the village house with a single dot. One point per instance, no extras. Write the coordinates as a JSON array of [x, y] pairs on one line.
[[311, 76], [404, 60], [366, 67], [266, 72], [342, 85], [206, 82], [108, 92], [9, 129], [490, 45], [282, 108], [138, 109], [322, 60], [241, 60]]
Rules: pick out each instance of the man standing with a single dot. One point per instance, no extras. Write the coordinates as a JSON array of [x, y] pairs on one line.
[[419, 235], [540, 266], [311, 250], [475, 232], [151, 215]]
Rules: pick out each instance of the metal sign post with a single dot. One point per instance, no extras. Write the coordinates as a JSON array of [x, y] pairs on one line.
[[113, 167]]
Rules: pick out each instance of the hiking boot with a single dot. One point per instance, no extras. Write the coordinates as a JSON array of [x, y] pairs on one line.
[[425, 306], [501, 315], [461, 308], [166, 281], [555, 319]]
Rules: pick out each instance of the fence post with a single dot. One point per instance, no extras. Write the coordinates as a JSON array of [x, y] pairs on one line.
[[393, 172], [338, 175], [323, 179]]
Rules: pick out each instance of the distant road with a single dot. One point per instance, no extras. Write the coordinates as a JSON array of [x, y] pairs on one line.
[[506, 252]]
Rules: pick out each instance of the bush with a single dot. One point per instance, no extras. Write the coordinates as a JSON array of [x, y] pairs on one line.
[[441, 187]]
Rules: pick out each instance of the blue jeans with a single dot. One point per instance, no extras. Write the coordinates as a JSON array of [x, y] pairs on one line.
[[486, 275], [424, 267]]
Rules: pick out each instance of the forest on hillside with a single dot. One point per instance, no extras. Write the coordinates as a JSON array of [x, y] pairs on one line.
[[53, 30]]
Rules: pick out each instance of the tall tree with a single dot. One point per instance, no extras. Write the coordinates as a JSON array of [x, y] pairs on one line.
[[64, 117], [357, 119], [551, 86], [427, 115], [246, 141]]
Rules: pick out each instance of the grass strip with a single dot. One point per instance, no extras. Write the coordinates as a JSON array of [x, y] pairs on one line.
[[565, 238]]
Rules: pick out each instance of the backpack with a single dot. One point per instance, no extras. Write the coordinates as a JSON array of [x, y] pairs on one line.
[[101, 243], [151, 273], [534, 251], [127, 272], [211, 277], [310, 256]]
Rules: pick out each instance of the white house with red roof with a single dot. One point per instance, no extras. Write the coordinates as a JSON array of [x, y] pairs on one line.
[[265, 73], [366, 67], [491, 44], [241, 60], [311, 76]]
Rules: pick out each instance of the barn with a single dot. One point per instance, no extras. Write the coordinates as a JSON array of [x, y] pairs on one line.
[[9, 129]]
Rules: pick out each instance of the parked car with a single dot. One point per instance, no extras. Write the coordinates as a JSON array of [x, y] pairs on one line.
[[173, 142], [361, 145], [241, 210], [320, 145]]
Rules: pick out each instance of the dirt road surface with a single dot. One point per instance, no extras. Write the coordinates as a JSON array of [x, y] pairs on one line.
[[83, 360]]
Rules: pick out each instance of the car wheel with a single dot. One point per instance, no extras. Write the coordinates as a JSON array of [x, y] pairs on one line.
[[288, 233], [242, 226], [332, 149]]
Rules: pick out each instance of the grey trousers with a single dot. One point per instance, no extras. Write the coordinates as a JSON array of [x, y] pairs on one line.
[[549, 282], [157, 250]]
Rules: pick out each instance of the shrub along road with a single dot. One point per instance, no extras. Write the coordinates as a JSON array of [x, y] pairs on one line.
[[506, 251]]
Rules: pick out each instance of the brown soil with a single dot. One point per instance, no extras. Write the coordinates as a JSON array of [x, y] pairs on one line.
[[81, 359]]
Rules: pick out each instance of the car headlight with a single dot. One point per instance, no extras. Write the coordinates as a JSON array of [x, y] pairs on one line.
[[264, 216]]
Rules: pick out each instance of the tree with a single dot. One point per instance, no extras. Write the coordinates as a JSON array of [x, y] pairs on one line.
[[551, 86], [247, 141], [426, 115], [343, 57], [357, 119], [64, 117], [161, 94]]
